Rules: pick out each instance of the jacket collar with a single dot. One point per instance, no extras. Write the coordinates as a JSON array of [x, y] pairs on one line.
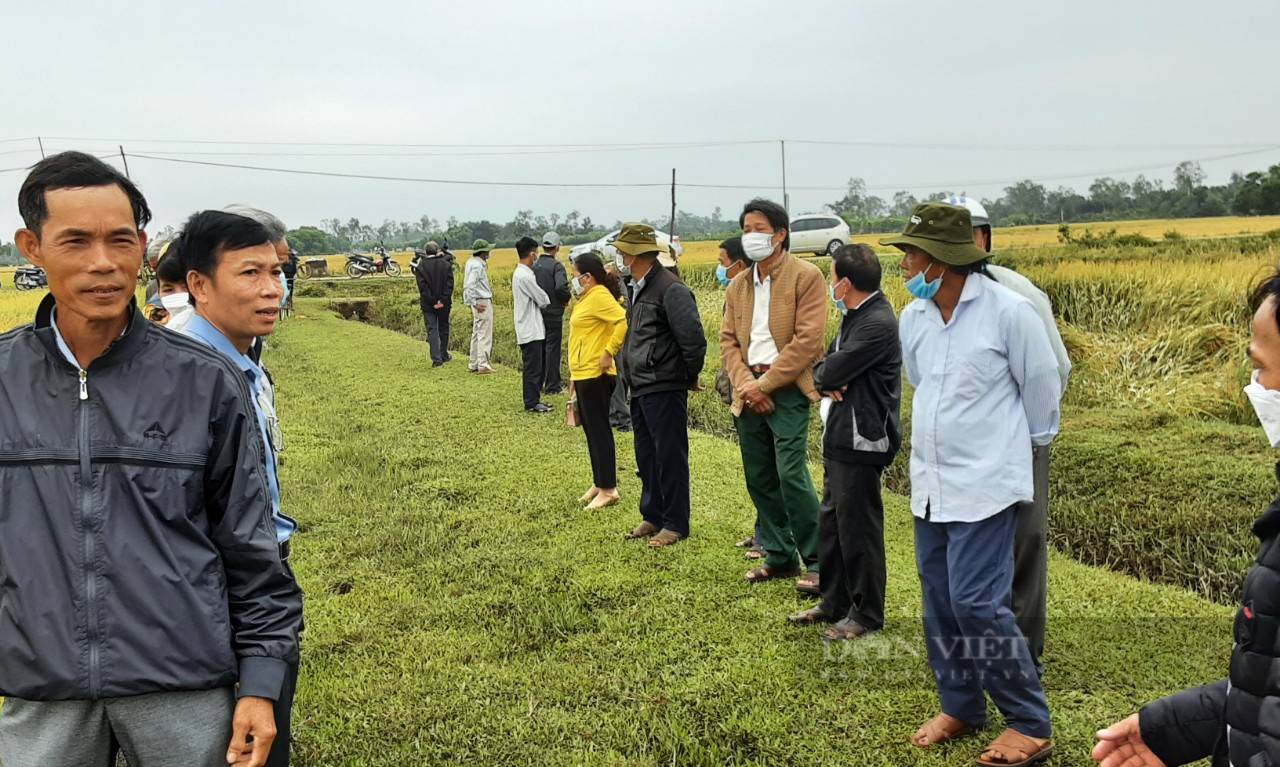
[[123, 348], [650, 277]]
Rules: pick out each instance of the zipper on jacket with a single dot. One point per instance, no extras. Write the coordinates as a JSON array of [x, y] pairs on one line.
[[90, 549]]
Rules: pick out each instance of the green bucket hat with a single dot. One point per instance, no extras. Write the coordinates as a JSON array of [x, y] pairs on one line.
[[481, 246], [943, 231], [637, 239]]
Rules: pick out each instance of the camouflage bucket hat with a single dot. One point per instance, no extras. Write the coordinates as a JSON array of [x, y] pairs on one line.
[[943, 231], [637, 239]]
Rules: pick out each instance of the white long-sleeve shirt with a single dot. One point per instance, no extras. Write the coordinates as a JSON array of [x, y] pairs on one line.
[[475, 282], [986, 386], [528, 300], [1027, 289]]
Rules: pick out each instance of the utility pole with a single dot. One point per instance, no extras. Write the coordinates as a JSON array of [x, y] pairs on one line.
[[40, 141], [672, 233], [126, 163], [786, 198]]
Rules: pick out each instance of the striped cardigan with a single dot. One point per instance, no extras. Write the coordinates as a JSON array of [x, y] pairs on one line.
[[797, 320]]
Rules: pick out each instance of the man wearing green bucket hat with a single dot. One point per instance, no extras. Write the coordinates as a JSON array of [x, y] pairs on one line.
[[478, 294], [660, 359], [986, 385]]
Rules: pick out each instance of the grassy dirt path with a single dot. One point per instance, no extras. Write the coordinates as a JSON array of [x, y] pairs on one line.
[[461, 607]]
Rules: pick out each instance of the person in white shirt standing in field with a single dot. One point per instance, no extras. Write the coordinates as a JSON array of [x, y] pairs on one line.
[[531, 333], [986, 385]]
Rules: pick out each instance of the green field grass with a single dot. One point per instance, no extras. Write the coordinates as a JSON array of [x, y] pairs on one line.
[[462, 608]]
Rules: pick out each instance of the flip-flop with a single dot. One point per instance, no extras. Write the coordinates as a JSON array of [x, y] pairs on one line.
[[1013, 749], [812, 615], [945, 727], [766, 573]]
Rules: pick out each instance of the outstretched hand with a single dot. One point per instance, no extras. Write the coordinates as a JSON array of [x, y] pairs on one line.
[[1121, 745]]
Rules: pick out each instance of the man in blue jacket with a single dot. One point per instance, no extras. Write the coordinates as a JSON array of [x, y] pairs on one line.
[[145, 603]]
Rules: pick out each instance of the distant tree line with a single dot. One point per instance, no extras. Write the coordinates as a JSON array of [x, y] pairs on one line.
[[1108, 199]]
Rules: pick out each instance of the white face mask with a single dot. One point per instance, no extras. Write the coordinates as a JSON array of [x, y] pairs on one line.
[[758, 245], [576, 286], [1266, 403], [624, 269], [176, 303]]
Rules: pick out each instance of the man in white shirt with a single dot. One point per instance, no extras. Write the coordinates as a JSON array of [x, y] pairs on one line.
[[527, 301], [1031, 538], [478, 294], [986, 385]]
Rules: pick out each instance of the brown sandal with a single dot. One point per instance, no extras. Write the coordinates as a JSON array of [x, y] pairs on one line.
[[665, 538], [1013, 749], [940, 729], [755, 552], [767, 573], [643, 530], [812, 615], [809, 584]]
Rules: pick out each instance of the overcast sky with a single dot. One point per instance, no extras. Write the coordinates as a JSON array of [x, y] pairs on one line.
[[1129, 85]]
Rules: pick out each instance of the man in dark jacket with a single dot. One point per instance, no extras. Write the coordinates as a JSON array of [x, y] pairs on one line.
[[554, 281], [661, 357], [861, 382], [1234, 721], [143, 581], [435, 296]]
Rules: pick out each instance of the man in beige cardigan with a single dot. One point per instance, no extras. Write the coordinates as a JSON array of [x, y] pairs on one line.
[[773, 332]]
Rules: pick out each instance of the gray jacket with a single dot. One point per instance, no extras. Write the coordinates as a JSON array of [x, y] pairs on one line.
[[137, 551]]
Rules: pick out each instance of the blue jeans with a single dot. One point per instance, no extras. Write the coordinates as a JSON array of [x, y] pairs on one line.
[[973, 641]]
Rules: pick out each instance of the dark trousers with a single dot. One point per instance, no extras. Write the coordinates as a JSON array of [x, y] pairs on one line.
[[593, 396], [550, 381], [851, 543], [776, 462], [619, 410], [661, 425], [531, 372], [973, 642], [279, 755], [437, 321], [1031, 558]]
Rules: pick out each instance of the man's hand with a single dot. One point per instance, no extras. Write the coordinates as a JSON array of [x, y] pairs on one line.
[[1121, 745], [838, 394], [439, 304], [606, 362], [697, 385], [254, 717], [757, 401], [481, 307]]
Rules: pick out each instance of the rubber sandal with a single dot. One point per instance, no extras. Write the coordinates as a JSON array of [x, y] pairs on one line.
[[1013, 749]]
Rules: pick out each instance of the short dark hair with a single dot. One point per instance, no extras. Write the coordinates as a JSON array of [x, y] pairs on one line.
[[525, 246], [1268, 288], [169, 267], [733, 246], [209, 234], [858, 264], [775, 213], [73, 170]]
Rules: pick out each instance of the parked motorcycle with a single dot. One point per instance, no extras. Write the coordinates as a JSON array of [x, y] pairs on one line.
[[378, 262], [30, 278]]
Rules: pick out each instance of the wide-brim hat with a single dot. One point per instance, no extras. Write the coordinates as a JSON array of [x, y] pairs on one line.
[[637, 239], [480, 246], [943, 231]]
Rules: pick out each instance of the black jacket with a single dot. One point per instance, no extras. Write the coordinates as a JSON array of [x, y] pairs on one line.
[[866, 356], [1192, 724], [137, 550], [665, 347], [435, 281], [554, 280]]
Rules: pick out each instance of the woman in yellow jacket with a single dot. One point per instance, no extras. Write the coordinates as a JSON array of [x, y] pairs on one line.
[[596, 330]]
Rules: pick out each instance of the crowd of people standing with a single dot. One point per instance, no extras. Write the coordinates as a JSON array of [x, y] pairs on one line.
[[150, 533]]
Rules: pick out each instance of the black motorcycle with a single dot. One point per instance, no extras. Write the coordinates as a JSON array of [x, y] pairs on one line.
[[30, 278], [378, 262]]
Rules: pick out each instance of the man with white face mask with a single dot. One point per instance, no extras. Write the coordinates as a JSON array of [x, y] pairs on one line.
[[773, 332], [1232, 720]]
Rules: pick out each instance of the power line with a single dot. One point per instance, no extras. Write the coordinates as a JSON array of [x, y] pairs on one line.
[[394, 178], [172, 153], [1036, 147], [646, 144]]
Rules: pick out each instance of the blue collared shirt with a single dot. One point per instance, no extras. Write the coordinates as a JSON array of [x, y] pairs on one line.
[[986, 389], [200, 329]]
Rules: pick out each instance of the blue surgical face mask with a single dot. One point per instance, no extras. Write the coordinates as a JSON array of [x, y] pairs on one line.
[[722, 274], [839, 302], [919, 287]]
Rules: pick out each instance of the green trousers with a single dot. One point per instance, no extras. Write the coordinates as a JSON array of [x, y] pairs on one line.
[[775, 459]]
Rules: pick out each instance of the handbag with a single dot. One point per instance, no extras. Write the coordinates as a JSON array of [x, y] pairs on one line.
[[571, 415]]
